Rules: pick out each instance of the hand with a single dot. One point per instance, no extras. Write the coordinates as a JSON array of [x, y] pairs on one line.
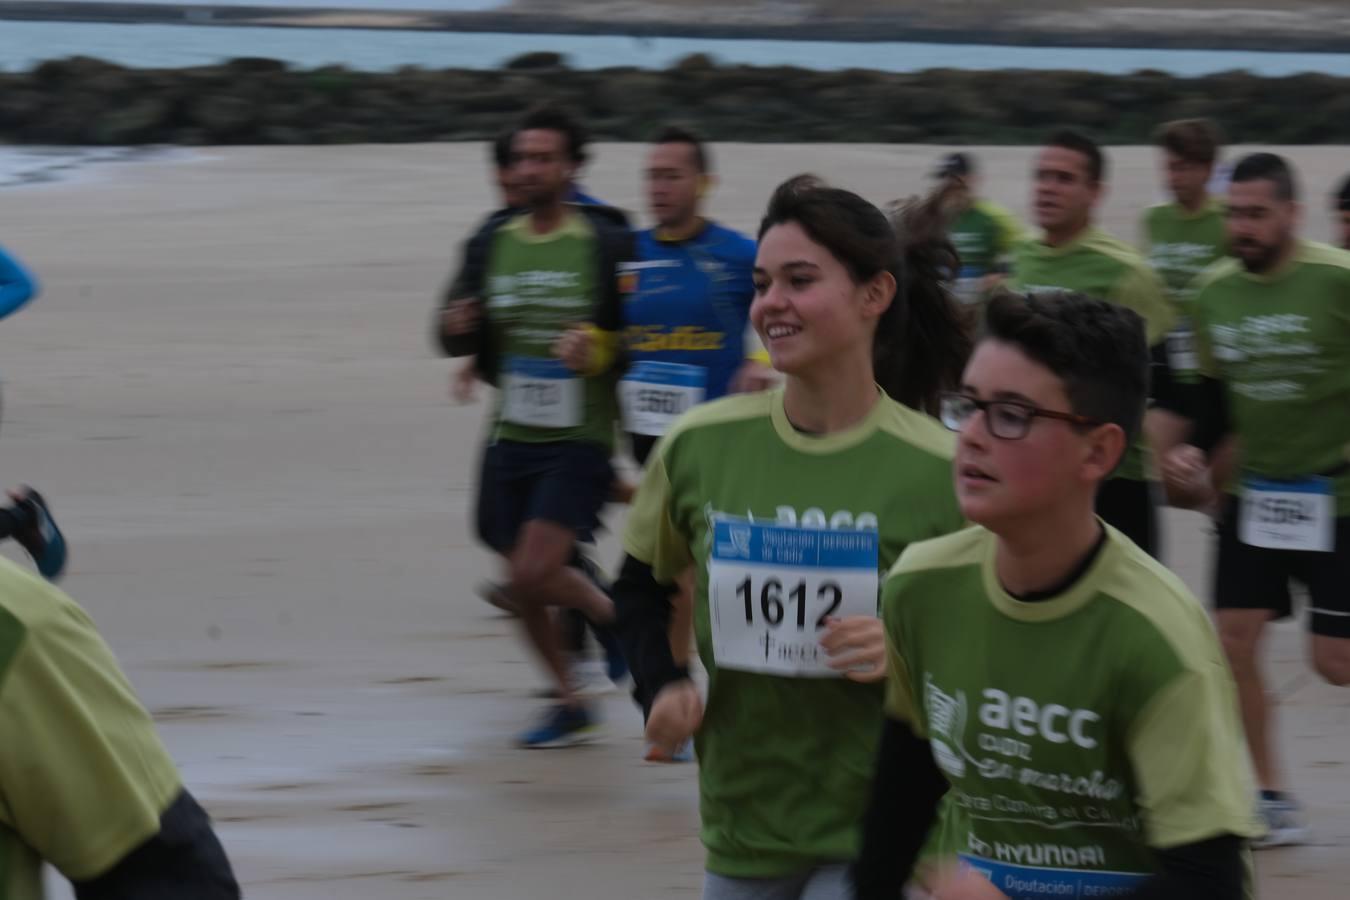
[[575, 348], [857, 647], [464, 383], [957, 881], [461, 317], [1185, 475], [991, 281], [677, 712], [753, 376]]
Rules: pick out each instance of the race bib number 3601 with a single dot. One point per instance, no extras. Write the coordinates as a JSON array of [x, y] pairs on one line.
[[771, 589], [655, 394], [541, 393], [1288, 515]]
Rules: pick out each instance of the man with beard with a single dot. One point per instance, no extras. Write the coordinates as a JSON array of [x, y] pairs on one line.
[[1273, 342], [537, 300]]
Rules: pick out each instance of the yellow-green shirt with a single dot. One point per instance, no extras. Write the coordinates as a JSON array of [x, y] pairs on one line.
[[84, 778]]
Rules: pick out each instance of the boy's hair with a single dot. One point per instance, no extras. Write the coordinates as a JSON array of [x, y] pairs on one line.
[[1194, 140], [677, 134], [1098, 349], [554, 118], [1077, 141]]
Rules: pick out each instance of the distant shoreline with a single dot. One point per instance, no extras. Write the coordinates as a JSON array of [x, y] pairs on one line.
[[1205, 30]]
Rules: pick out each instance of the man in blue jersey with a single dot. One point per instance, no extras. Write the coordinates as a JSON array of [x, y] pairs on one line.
[[28, 521], [685, 323], [686, 315]]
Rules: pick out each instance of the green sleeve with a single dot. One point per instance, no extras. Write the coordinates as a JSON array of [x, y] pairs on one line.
[[1190, 762], [652, 537], [1009, 231], [83, 776], [1141, 290]]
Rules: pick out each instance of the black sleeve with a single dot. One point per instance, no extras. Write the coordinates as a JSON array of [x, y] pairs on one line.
[[1210, 414], [642, 622], [1206, 870], [618, 246], [468, 282], [906, 789], [1163, 389], [184, 860]]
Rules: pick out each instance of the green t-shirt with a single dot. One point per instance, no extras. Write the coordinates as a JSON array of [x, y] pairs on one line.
[[1103, 267], [84, 778], [983, 236], [537, 287], [1180, 245], [1280, 343], [1077, 732], [785, 763]]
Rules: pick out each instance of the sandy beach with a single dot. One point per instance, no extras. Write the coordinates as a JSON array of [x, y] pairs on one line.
[[228, 394]]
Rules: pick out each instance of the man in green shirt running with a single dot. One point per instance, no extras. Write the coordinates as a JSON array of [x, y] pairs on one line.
[[538, 301], [1072, 254], [1058, 716], [983, 233], [1182, 239], [1273, 339]]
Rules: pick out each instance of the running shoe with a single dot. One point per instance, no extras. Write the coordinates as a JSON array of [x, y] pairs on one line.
[[496, 595], [1283, 818], [659, 754], [38, 534], [561, 726]]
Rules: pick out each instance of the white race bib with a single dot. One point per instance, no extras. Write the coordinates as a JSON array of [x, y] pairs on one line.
[[654, 394], [541, 393], [771, 588], [1181, 348], [1288, 515]]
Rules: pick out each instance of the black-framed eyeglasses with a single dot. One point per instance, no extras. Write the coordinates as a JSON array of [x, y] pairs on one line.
[[1008, 420]]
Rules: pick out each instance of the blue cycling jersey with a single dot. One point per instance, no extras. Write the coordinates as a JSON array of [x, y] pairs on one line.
[[691, 302]]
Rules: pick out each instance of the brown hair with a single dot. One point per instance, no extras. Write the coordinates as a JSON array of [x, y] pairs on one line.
[[1194, 140], [922, 340]]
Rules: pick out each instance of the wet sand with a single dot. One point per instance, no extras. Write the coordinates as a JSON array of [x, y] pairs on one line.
[[228, 394]]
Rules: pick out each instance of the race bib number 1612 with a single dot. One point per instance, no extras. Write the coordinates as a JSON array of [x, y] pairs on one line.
[[772, 588]]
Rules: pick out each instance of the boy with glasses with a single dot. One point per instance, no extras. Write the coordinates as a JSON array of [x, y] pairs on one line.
[[1059, 719]]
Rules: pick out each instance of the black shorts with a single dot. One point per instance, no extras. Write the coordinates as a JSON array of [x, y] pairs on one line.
[[564, 482], [1247, 577], [1131, 507], [642, 445]]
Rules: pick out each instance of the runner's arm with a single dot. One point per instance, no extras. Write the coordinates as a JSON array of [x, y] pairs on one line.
[[656, 553], [906, 790], [1212, 869], [468, 283], [642, 612], [85, 779], [618, 246], [184, 859], [17, 285]]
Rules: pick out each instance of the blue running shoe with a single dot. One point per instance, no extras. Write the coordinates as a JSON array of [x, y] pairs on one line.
[[562, 726], [38, 534]]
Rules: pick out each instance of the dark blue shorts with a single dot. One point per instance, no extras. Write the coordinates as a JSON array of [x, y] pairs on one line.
[[564, 482]]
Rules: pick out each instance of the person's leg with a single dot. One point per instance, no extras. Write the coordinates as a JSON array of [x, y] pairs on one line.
[[1241, 631], [1131, 507], [720, 887], [1327, 576]]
